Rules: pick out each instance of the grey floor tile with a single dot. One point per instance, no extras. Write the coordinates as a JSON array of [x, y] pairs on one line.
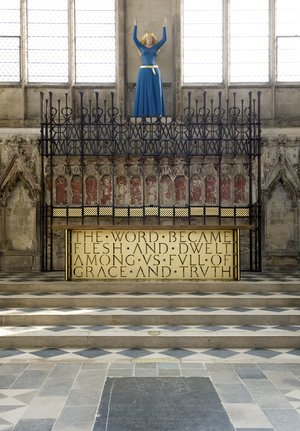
[[233, 393], [223, 376], [265, 394], [168, 366], [94, 366], [145, 366], [31, 379], [249, 371], [6, 369], [115, 372], [56, 386], [285, 381], [283, 419], [194, 372], [79, 397], [197, 365], [121, 365], [76, 418], [65, 370], [7, 380], [247, 416], [294, 368], [145, 372], [169, 373], [34, 425], [87, 379], [45, 408], [254, 429]]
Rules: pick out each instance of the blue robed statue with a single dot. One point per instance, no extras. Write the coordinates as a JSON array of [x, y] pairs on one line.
[[149, 98]]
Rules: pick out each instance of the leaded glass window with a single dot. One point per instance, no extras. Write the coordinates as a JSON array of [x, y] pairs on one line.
[[203, 41], [47, 26], [288, 40], [95, 41], [10, 41], [249, 41]]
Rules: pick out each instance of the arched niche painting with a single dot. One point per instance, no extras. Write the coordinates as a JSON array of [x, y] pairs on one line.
[[240, 183], [151, 190], [121, 190], [136, 191], [61, 190], [166, 197], [279, 221], [225, 188], [196, 192], [210, 190], [106, 190], [76, 187], [91, 190], [180, 189]]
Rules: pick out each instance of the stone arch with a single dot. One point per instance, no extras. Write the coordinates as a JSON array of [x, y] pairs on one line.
[[166, 190], [180, 189], [210, 190], [91, 188], [151, 190], [136, 191], [61, 190], [17, 171], [196, 192], [106, 190], [121, 190], [76, 187], [240, 183], [225, 188]]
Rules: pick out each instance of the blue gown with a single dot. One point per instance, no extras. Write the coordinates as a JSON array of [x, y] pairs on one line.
[[149, 99]]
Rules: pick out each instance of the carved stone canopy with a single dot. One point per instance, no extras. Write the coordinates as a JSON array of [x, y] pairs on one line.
[[285, 171], [14, 172]]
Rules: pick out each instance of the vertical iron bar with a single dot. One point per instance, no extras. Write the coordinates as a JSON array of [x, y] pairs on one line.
[[51, 180], [82, 155], [220, 134], [250, 179], [259, 208]]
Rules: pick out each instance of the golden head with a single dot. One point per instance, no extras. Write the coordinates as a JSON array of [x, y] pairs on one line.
[[146, 38]]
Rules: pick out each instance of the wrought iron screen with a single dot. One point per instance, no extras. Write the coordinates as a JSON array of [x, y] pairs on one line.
[[199, 168]]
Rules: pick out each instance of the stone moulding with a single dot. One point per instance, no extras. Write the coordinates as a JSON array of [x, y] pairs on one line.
[[14, 172], [283, 169]]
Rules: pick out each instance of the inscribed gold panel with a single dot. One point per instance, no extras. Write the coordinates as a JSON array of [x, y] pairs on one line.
[[162, 254]]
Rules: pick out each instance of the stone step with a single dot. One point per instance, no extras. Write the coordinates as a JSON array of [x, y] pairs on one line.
[[154, 337], [136, 299], [148, 286], [155, 316]]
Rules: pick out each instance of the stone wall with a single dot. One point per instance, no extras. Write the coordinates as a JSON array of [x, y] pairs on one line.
[[19, 200], [20, 193]]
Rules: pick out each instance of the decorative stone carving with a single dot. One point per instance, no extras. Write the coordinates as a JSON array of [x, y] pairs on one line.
[[281, 164], [20, 167]]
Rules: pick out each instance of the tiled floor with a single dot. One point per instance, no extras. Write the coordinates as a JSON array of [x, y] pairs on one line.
[[60, 389], [51, 396]]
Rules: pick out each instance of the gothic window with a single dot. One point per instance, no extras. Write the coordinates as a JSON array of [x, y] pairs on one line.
[[10, 41], [203, 41], [288, 40], [67, 41], [235, 41], [47, 27], [249, 41], [95, 41]]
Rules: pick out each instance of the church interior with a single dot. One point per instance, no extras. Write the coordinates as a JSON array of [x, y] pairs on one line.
[[149, 215]]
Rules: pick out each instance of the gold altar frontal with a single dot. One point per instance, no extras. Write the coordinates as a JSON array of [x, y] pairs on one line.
[[160, 253]]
